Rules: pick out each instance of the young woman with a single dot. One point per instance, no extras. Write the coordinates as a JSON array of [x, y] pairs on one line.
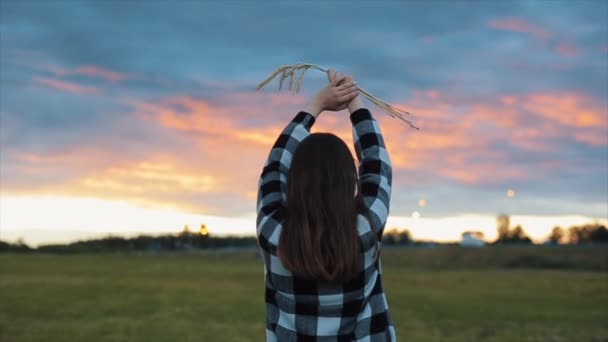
[[319, 225]]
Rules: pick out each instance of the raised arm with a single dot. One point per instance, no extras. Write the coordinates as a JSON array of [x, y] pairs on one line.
[[271, 186], [375, 170]]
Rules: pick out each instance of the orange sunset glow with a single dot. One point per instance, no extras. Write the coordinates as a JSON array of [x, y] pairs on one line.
[[138, 133]]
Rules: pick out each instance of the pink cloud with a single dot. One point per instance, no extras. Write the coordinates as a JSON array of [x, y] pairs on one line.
[[427, 39], [97, 172], [92, 71], [218, 148], [567, 49], [66, 86], [568, 109], [519, 25], [455, 142], [184, 113]]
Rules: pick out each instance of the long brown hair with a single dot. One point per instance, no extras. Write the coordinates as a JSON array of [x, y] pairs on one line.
[[319, 239]]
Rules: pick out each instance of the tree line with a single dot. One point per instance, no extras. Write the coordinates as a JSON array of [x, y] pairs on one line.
[[592, 233], [184, 240]]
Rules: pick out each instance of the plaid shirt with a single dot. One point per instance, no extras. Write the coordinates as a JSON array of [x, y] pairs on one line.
[[304, 310]]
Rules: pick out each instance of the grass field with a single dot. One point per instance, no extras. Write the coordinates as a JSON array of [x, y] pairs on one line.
[[219, 297]]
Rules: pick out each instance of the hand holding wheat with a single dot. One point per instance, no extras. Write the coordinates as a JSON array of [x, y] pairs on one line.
[[337, 96], [295, 84], [333, 97], [337, 78]]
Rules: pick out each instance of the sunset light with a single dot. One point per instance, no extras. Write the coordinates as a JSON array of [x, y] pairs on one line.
[[116, 141], [59, 219], [180, 170]]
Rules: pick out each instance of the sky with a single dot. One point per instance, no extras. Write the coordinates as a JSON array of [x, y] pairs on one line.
[[125, 117]]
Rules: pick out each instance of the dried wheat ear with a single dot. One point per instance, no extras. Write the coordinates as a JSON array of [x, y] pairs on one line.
[[295, 84]]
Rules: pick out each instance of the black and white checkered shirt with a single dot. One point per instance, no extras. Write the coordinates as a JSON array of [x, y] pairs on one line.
[[304, 310]]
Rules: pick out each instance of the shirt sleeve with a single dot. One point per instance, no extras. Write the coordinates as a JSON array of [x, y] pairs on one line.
[[272, 198], [375, 170]]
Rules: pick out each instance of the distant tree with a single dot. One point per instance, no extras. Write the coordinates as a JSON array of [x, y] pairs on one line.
[[508, 235], [19, 246], [557, 235], [389, 237], [4, 246], [599, 234], [579, 234], [396, 236], [518, 235], [588, 233], [405, 237], [185, 239], [502, 226]]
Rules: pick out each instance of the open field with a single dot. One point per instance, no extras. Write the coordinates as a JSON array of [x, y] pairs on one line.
[[211, 296]]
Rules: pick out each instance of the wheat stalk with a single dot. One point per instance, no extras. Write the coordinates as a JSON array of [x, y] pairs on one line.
[[295, 84]]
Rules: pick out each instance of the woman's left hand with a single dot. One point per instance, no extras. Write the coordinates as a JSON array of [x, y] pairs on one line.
[[333, 98]]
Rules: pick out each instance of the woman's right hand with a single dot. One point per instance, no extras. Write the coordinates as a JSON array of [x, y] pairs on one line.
[[337, 78], [332, 97]]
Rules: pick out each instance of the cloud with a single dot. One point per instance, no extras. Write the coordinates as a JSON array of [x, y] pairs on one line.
[[229, 120], [70, 87], [541, 143], [568, 49], [92, 71], [521, 26], [195, 149], [174, 98], [177, 150]]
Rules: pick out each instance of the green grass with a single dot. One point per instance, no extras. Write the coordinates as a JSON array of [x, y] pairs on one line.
[[219, 297]]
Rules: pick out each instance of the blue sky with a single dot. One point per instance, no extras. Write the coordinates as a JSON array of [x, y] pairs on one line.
[[155, 104]]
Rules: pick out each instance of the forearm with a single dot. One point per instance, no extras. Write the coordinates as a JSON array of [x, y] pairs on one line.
[[367, 136], [274, 173], [375, 171], [355, 104], [370, 148], [313, 108]]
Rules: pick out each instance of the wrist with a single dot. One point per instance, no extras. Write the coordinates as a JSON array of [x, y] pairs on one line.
[[355, 104], [314, 108]]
